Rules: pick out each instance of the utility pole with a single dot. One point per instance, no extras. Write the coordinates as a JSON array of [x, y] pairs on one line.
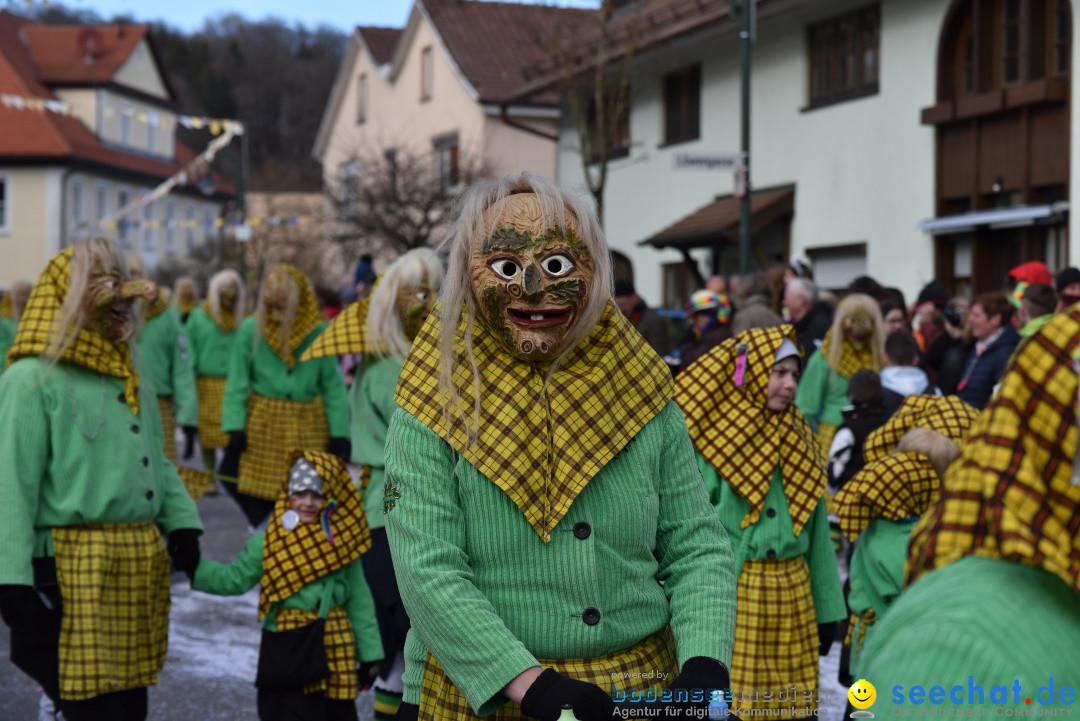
[[747, 12]]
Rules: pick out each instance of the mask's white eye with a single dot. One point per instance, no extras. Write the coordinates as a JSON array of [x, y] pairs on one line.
[[505, 268], [421, 295], [556, 265], [110, 284]]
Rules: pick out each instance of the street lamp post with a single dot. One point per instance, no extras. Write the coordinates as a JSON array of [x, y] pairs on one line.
[[746, 10]]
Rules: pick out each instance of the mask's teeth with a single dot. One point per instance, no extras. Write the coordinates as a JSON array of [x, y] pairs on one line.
[[536, 316]]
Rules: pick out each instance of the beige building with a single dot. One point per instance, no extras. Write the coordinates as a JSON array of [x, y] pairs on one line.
[[88, 125]]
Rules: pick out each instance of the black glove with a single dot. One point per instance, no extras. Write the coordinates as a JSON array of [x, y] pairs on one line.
[[230, 463], [21, 606], [189, 442], [551, 690], [826, 633], [367, 673], [706, 674], [183, 547], [407, 712], [342, 448]]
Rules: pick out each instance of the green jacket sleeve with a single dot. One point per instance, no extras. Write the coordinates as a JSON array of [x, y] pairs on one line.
[[810, 398], [412, 679], [361, 611], [238, 382], [426, 530], [185, 402], [824, 575], [696, 563], [178, 509], [231, 579], [332, 390]]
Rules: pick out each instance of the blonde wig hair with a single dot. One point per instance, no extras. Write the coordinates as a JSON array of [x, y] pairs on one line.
[[458, 302], [383, 323], [939, 448], [184, 281], [221, 280], [86, 255], [292, 302], [851, 304]]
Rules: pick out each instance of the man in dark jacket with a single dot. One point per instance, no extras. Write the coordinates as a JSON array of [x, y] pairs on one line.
[[811, 318], [995, 339], [647, 321]]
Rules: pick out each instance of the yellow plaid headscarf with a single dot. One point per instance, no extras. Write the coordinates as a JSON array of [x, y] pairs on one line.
[[308, 317], [293, 559], [347, 332], [949, 416], [1010, 495], [226, 321], [895, 487], [6, 311], [739, 436], [89, 349], [541, 452], [851, 359]]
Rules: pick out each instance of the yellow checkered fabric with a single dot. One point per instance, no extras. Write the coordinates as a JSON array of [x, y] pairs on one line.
[[225, 320], [89, 349], [168, 426], [896, 487], [211, 395], [274, 428], [347, 332], [776, 640], [856, 631], [949, 416], [1010, 495], [114, 580], [541, 451], [824, 436], [6, 310], [308, 316], [196, 482], [293, 559], [736, 433], [340, 645], [440, 698], [851, 359]]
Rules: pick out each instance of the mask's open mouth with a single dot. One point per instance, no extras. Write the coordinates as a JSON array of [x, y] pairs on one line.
[[534, 318]]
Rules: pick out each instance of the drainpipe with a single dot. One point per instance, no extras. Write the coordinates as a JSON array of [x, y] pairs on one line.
[[505, 116]]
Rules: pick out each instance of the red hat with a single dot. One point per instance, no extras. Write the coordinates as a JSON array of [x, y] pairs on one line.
[[1034, 271]]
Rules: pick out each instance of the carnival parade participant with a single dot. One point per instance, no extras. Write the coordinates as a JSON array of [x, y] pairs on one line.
[[549, 528], [766, 479], [11, 308], [307, 562], [186, 297], [993, 570], [211, 331], [84, 574], [381, 329], [273, 401]]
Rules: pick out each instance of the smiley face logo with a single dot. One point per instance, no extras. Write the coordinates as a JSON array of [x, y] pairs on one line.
[[862, 694]]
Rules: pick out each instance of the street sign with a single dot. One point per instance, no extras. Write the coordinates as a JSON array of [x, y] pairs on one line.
[[707, 161]]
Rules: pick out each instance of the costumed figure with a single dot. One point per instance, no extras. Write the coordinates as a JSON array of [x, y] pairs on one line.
[[273, 400], [11, 308], [381, 328], [211, 331], [766, 478], [185, 296], [991, 612], [84, 574], [308, 564], [549, 528]]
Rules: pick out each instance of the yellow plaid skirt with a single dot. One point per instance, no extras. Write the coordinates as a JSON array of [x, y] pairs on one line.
[[195, 481], [168, 426], [114, 581], [440, 698], [340, 650], [776, 640], [211, 398], [276, 428]]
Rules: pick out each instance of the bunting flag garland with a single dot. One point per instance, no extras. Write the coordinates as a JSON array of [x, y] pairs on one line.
[[216, 126], [252, 222]]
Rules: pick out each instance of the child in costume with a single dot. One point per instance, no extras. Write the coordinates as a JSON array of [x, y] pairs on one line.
[[84, 575], [211, 332], [766, 479], [308, 558], [991, 613], [550, 531], [273, 400], [381, 328]]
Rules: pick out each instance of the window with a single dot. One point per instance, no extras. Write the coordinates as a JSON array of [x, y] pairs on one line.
[[1011, 56], [5, 218], [101, 202], [123, 197], [679, 283], [151, 132], [208, 224], [447, 176], [427, 71], [845, 56], [1061, 40], [148, 245], [348, 180], [189, 227], [125, 125], [77, 207], [362, 100], [682, 105], [170, 226]]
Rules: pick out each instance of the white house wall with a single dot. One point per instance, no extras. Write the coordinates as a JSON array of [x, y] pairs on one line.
[[32, 237], [141, 73]]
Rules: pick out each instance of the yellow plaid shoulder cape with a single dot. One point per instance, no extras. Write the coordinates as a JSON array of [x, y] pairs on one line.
[[226, 322], [347, 332], [90, 349], [541, 450], [1011, 494], [739, 436], [851, 359], [896, 487], [6, 311], [308, 317], [293, 559], [947, 415]]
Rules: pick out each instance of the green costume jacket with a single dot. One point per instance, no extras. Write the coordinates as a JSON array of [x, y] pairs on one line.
[[877, 571], [776, 534], [639, 549], [371, 402], [166, 359], [75, 454], [7, 337], [261, 371], [822, 393], [350, 592], [210, 347]]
